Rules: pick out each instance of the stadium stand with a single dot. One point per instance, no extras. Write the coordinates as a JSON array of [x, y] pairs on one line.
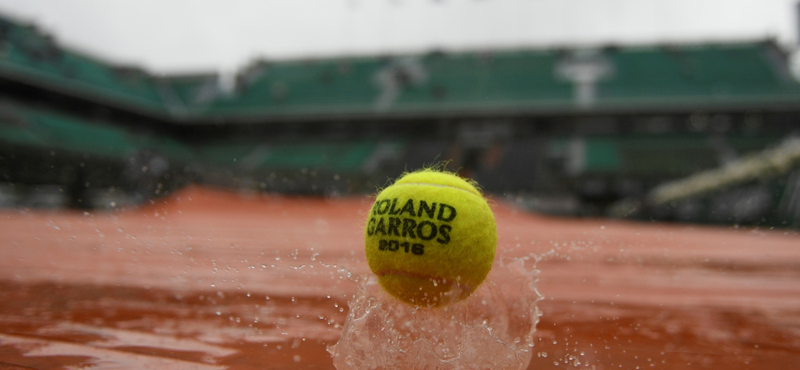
[[511, 81], [698, 74], [302, 88], [33, 58], [47, 130], [588, 126], [75, 158], [653, 77], [182, 93]]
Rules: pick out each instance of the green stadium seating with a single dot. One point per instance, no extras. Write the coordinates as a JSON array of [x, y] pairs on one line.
[[438, 83], [653, 77], [26, 127], [33, 58], [50, 131], [317, 87], [699, 74]]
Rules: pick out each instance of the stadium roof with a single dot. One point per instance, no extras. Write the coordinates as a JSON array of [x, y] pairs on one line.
[[749, 75]]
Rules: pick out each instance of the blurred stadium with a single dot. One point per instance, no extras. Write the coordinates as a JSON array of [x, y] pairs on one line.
[[216, 220], [688, 132]]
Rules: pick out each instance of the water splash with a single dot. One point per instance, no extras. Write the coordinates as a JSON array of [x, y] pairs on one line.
[[492, 329]]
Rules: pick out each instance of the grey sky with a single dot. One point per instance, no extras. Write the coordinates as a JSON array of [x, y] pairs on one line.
[[204, 35]]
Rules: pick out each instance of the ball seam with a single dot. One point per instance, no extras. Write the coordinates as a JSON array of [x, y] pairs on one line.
[[438, 185]]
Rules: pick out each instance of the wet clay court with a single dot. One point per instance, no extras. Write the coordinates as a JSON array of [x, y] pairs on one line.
[[207, 279]]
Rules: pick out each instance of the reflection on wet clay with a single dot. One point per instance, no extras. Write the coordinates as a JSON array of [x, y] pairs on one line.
[[47, 326], [208, 279]]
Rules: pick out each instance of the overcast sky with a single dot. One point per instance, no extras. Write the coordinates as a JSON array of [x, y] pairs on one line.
[[206, 35]]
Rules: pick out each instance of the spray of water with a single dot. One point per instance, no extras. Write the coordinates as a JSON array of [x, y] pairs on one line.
[[492, 329]]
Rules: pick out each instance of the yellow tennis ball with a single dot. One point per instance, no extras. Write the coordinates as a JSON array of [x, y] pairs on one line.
[[430, 238]]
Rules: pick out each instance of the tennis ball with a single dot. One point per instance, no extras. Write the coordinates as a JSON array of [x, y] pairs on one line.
[[430, 238]]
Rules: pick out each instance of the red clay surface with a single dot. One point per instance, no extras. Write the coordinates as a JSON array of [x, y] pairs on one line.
[[215, 280]]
